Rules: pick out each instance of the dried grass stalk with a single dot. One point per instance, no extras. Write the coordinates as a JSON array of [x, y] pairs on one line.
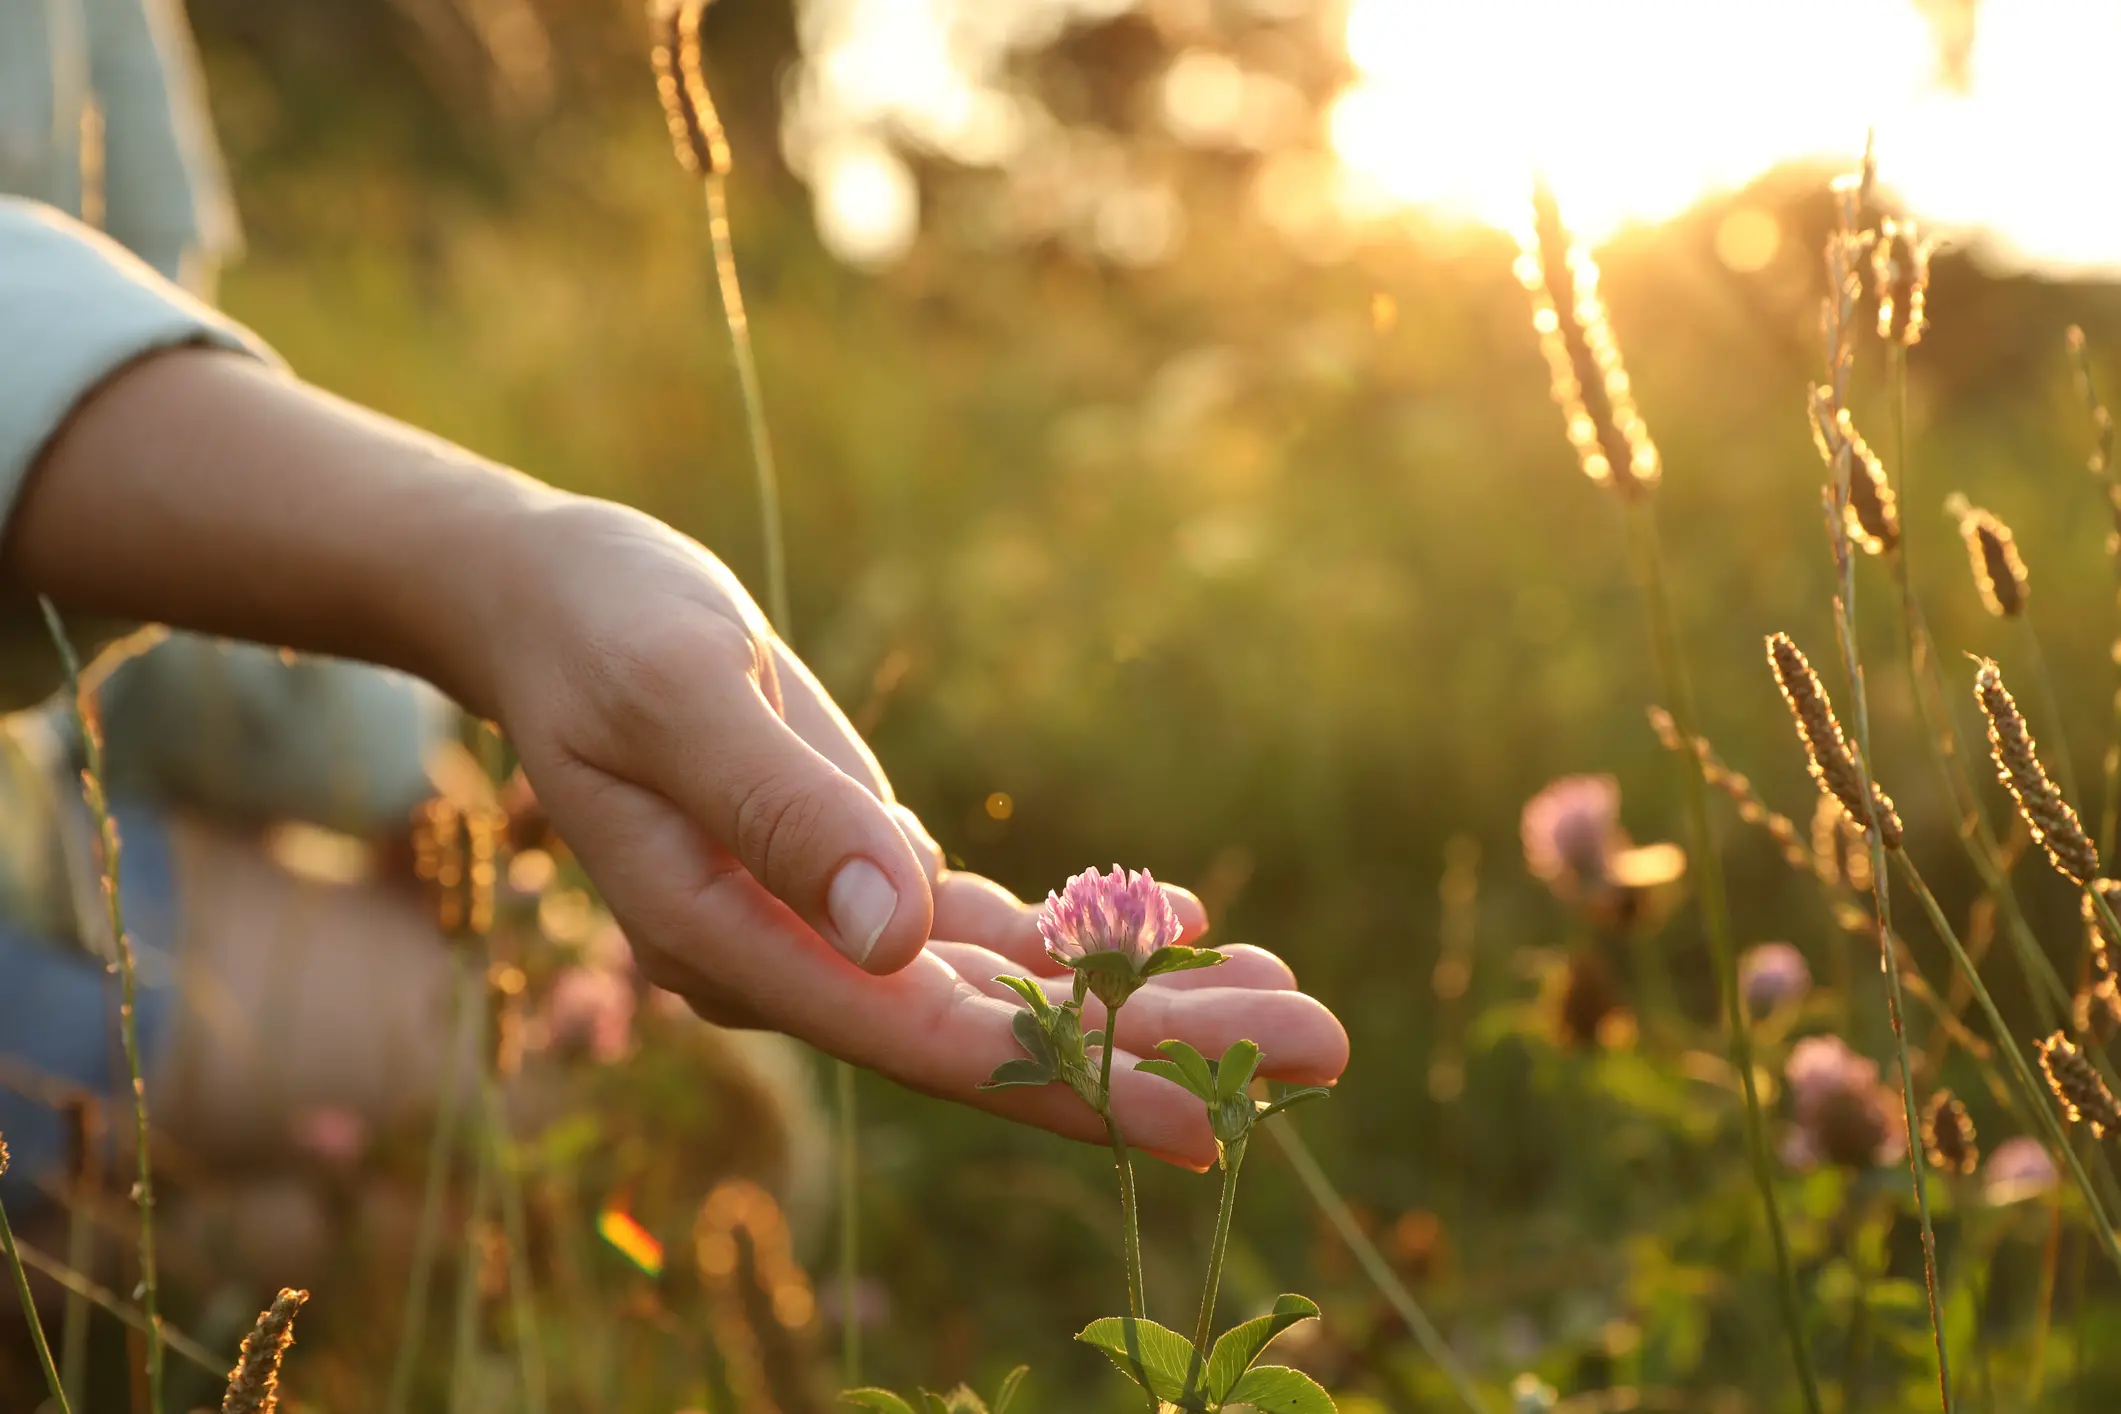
[[1591, 386], [1999, 572], [1948, 1135], [1833, 763], [2077, 1085], [695, 127], [1735, 785], [2052, 822], [1900, 272], [1872, 513], [254, 1385]]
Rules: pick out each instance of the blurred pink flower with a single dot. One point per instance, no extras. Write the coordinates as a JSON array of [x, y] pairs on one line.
[[1117, 912], [1844, 1114], [332, 1133], [590, 1009], [1771, 976], [1571, 832], [2018, 1168]]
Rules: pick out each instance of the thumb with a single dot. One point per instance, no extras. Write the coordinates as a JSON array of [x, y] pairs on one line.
[[816, 838]]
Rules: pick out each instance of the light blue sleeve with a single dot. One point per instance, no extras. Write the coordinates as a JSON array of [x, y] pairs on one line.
[[165, 194], [75, 307]]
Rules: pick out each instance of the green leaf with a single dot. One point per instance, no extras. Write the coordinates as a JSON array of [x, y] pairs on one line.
[[1277, 1389], [1169, 1071], [964, 1400], [1239, 1346], [1012, 1073], [1198, 1070], [881, 1400], [1006, 1395], [1234, 1071], [1155, 1357], [1288, 1099], [1179, 958], [933, 1403], [1034, 995]]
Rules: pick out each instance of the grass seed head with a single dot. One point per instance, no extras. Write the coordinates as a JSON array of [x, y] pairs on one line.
[[695, 128], [1948, 1135], [1589, 382], [1900, 272], [254, 1385], [2052, 822], [1833, 764], [1872, 512], [1999, 573], [2078, 1086]]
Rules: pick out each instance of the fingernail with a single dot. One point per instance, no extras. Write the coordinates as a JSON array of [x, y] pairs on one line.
[[861, 902]]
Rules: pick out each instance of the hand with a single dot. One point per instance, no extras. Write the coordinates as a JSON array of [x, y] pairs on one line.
[[746, 841]]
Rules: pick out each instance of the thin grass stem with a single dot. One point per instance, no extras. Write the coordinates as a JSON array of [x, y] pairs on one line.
[[29, 1313], [1881, 894], [1328, 1200], [464, 1359], [2030, 1090], [1716, 922], [82, 1180], [427, 1238], [92, 791], [2050, 707], [75, 1284], [522, 1295]]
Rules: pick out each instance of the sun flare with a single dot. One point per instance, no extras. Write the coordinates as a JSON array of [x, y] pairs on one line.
[[1988, 120]]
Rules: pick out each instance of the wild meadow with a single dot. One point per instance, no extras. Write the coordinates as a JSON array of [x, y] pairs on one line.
[[1660, 694]]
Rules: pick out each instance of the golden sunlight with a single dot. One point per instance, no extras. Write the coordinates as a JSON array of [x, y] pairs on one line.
[[1989, 120]]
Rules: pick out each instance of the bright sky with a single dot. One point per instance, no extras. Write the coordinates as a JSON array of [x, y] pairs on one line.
[[1632, 109]]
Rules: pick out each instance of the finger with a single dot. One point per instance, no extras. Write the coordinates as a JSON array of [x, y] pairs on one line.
[[817, 838], [716, 933], [1299, 1040], [972, 909], [1247, 967], [924, 846], [817, 719]]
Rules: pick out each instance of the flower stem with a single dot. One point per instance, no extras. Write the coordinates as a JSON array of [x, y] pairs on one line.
[[1131, 1233], [1328, 1200], [1204, 1329], [29, 1316], [1716, 922], [850, 1212], [92, 790]]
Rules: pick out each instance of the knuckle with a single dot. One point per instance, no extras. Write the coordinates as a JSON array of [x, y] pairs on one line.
[[777, 825]]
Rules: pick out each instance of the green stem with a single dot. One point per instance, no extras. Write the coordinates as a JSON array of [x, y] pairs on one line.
[[2050, 707], [427, 1238], [1896, 1002], [29, 1315], [80, 1250], [747, 377], [850, 1212], [464, 1358], [1716, 922], [1204, 1328], [1131, 1229], [75, 1284], [530, 1350], [1328, 1201], [2031, 1093], [92, 790]]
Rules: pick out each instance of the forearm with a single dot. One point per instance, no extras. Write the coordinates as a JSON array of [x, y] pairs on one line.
[[203, 490]]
